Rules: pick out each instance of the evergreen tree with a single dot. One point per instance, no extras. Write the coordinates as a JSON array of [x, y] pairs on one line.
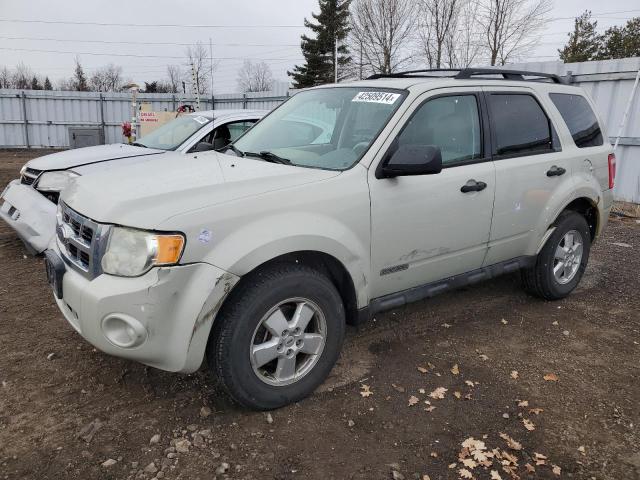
[[47, 84], [621, 42], [79, 80], [332, 26], [35, 84], [584, 41]]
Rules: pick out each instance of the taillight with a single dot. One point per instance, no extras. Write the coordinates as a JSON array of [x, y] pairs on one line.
[[612, 170]]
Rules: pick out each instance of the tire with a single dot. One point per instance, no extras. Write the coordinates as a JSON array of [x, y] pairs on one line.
[[243, 326], [540, 279]]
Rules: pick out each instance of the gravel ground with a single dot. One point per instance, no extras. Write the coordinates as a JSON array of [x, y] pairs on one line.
[[530, 385]]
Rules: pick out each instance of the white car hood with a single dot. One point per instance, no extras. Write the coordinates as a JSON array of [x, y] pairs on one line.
[[144, 194], [84, 156]]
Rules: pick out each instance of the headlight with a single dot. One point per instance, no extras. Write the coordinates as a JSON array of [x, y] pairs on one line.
[[133, 252], [54, 181]]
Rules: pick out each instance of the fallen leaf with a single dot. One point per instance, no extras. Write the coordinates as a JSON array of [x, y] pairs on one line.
[[464, 473], [413, 400], [455, 370], [514, 374], [446, 325], [495, 475], [426, 477], [366, 390], [422, 390], [556, 470], [529, 468], [469, 382], [469, 463], [484, 357], [523, 403], [528, 424], [458, 395], [430, 408], [467, 396], [537, 411], [438, 393], [509, 458], [539, 458], [555, 323], [472, 444], [397, 388], [431, 365], [434, 454], [551, 377], [511, 443], [581, 450], [422, 370], [504, 322], [453, 465]]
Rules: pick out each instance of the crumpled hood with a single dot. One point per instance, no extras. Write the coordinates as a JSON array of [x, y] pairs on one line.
[[84, 156], [145, 194]]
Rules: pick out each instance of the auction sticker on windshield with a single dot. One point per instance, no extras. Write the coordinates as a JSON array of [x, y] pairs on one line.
[[376, 97], [201, 120]]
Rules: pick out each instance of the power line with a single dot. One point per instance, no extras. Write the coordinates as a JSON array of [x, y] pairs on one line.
[[101, 24], [182, 57], [116, 42]]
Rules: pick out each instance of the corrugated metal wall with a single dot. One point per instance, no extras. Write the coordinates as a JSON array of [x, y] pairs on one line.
[[49, 114], [609, 82]]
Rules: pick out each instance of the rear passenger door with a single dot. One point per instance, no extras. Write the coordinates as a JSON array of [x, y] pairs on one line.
[[530, 170]]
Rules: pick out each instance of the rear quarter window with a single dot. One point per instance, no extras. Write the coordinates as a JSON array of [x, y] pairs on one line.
[[580, 119]]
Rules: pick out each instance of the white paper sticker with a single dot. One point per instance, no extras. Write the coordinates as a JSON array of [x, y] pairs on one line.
[[377, 97], [201, 120]]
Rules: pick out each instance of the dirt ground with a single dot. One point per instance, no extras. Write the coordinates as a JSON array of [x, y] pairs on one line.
[[65, 408]]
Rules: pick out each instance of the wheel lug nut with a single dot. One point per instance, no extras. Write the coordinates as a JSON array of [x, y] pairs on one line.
[[299, 343], [285, 333], [289, 351]]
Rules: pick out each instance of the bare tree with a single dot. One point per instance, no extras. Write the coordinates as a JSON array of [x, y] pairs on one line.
[[438, 25], [511, 26], [382, 29], [464, 45], [6, 80], [174, 78], [198, 67], [22, 76], [255, 77], [107, 79]]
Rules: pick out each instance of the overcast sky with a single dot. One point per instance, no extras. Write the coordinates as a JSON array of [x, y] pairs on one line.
[[266, 30]]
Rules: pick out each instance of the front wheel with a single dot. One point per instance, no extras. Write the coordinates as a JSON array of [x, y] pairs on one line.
[[278, 336], [563, 259]]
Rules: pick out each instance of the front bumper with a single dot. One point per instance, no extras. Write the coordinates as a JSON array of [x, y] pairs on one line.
[[168, 310], [30, 214]]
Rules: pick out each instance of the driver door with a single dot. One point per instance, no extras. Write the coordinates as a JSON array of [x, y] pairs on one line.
[[424, 228]]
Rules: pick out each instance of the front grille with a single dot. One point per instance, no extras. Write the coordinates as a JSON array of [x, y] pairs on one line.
[[81, 241], [29, 176]]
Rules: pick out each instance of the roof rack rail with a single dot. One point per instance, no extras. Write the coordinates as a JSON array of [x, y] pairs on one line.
[[469, 73]]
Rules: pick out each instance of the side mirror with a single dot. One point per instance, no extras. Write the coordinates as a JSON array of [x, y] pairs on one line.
[[412, 160], [202, 147]]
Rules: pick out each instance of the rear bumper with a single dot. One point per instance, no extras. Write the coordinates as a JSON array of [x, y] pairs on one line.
[[607, 204], [31, 215], [162, 318]]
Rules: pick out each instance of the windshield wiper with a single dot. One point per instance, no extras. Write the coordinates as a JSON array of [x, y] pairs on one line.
[[138, 144], [234, 149], [270, 157]]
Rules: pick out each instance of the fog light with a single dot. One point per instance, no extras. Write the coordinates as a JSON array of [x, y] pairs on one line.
[[123, 330]]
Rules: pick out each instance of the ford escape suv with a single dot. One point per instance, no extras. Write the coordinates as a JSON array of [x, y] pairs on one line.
[[344, 201]]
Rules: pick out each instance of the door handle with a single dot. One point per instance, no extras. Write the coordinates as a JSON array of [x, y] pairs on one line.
[[555, 171], [473, 186]]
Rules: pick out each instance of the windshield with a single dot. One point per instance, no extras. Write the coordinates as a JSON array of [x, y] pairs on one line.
[[328, 128], [173, 134]]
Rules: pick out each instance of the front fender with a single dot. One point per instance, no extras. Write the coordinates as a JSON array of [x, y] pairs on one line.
[[269, 237]]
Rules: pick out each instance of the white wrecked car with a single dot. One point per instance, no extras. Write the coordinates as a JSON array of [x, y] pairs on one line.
[[28, 204]]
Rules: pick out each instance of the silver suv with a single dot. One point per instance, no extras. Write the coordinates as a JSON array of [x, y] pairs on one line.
[[346, 200]]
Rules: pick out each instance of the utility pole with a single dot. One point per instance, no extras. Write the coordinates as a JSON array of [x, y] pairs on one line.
[[211, 69], [335, 58], [195, 85]]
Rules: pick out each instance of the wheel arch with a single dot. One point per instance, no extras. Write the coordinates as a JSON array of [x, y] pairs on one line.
[[323, 262]]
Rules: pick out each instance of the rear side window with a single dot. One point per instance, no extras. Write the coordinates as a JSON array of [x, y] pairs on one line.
[[580, 119], [519, 124]]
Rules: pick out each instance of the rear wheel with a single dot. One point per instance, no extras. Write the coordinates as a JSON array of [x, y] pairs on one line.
[[278, 336], [563, 259]]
